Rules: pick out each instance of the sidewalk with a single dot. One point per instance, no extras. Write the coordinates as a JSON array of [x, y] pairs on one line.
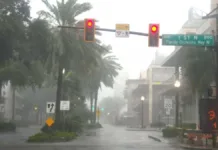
[[157, 136], [143, 129], [184, 146]]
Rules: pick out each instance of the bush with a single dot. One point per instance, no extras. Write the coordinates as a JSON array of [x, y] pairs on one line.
[[158, 125], [7, 126], [52, 137], [189, 125], [170, 132], [94, 126], [22, 123], [70, 125]]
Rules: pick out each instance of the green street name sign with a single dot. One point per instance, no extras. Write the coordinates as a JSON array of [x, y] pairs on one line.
[[188, 39]]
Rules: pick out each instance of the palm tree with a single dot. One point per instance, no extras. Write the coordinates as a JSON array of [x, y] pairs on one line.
[[105, 73], [25, 68], [70, 51]]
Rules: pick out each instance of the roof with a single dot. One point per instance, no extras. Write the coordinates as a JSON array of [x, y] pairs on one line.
[[197, 23], [136, 81], [201, 26]]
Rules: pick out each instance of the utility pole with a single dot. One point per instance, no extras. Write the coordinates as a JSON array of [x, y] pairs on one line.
[[177, 98], [216, 51]]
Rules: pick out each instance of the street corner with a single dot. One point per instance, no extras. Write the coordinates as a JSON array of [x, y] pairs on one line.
[[191, 147], [155, 138]]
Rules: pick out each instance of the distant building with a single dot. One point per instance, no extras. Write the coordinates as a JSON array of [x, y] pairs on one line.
[[119, 85], [7, 103]]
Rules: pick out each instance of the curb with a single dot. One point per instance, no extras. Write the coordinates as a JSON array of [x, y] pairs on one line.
[[135, 129], [194, 148], [154, 138]]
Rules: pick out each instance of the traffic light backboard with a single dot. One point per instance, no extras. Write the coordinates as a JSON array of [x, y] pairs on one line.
[[89, 30], [208, 110], [153, 35]]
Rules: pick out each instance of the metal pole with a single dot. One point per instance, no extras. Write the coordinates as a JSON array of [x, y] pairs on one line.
[[108, 30], [216, 50], [177, 100], [142, 113]]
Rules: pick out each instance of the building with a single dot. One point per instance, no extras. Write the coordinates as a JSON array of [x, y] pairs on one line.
[[153, 80], [188, 109], [7, 103]]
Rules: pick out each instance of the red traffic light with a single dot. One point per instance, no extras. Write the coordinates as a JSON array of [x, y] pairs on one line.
[[89, 23], [154, 28]]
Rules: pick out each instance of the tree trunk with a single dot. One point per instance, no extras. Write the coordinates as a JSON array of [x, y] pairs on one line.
[[95, 109], [1, 101], [58, 93], [91, 103], [13, 103]]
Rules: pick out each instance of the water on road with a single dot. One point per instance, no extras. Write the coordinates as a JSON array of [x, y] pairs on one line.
[[107, 138]]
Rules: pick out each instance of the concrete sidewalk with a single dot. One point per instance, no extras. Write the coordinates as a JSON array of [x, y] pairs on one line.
[[157, 136], [143, 129]]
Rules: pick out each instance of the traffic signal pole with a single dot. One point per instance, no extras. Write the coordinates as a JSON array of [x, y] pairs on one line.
[[216, 51], [108, 30]]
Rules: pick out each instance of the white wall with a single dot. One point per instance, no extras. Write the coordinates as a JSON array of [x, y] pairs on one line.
[[7, 93]]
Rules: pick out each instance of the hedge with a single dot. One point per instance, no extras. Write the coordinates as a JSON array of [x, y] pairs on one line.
[[52, 137], [7, 127]]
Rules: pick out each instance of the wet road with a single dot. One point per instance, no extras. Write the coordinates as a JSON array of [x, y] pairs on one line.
[[108, 138]]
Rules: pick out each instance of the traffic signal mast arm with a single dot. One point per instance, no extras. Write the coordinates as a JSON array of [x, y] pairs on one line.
[[108, 30]]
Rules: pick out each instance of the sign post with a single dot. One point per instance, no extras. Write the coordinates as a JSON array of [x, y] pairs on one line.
[[98, 113], [64, 106]]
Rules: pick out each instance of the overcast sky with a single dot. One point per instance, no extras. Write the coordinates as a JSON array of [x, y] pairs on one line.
[[133, 53]]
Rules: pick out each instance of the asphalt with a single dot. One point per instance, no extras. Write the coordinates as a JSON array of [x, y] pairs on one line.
[[107, 138]]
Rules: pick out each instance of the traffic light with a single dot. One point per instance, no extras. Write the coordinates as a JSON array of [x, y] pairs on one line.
[[208, 110], [89, 30], [153, 35]]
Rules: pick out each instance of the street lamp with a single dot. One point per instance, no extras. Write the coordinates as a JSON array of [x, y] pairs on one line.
[[177, 84], [142, 100], [63, 71]]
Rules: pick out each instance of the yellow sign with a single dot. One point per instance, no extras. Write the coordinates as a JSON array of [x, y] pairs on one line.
[[98, 112], [157, 83], [122, 27], [49, 122]]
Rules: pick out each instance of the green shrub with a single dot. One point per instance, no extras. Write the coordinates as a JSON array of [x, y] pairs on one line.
[[52, 137], [74, 125], [47, 129], [189, 125], [158, 125], [22, 123], [170, 132], [7, 126], [94, 126]]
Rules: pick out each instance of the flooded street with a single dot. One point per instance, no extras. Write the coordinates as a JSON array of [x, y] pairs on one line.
[[107, 138]]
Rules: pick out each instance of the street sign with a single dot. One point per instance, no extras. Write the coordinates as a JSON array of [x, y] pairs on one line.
[[49, 121], [2, 107], [188, 39], [168, 104], [122, 30], [50, 107], [65, 105]]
